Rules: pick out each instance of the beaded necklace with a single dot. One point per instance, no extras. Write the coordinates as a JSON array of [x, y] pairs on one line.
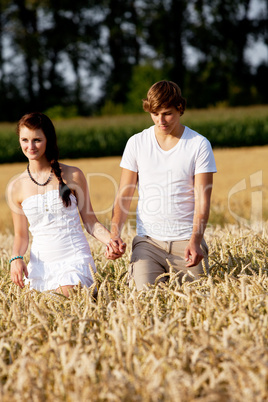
[[36, 182]]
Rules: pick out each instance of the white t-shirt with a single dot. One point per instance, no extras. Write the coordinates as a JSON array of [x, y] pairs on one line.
[[166, 181]]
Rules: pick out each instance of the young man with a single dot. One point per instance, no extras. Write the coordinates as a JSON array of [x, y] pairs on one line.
[[173, 166]]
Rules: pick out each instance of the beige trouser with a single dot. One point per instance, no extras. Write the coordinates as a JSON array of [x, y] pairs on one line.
[[149, 260]]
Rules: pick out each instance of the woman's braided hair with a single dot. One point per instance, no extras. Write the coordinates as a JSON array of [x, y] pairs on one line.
[[38, 120]]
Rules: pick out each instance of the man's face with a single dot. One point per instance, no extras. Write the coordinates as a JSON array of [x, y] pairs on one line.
[[166, 120]]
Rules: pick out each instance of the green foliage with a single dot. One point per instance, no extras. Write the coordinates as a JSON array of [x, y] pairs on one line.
[[107, 136], [245, 133], [94, 142], [143, 77], [62, 112], [10, 150], [112, 109]]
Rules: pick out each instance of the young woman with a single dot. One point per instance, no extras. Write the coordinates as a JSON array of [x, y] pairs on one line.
[[48, 195]]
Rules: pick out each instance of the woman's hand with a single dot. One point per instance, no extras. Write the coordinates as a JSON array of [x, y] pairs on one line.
[[18, 268]]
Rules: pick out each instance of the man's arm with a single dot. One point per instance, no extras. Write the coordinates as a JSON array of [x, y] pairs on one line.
[[128, 182], [203, 188]]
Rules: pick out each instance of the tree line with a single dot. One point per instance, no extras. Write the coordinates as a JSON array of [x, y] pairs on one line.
[[54, 52]]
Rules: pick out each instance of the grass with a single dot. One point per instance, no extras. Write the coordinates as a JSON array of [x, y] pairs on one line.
[[201, 341]]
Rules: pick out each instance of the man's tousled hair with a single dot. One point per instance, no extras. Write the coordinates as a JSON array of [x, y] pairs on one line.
[[164, 94]]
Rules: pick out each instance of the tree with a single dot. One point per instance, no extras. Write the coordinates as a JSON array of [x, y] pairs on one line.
[[143, 76], [220, 32], [51, 52], [165, 27], [52, 40], [123, 47], [78, 42]]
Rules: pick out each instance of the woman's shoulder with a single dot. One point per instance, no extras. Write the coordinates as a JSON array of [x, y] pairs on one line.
[[18, 181], [70, 172], [16, 187], [68, 168]]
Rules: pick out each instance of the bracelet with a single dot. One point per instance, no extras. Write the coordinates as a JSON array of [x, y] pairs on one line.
[[15, 258]]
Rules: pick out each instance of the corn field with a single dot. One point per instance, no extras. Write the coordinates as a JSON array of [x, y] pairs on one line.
[[107, 135], [204, 341]]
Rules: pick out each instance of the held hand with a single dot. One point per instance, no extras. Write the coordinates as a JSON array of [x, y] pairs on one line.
[[115, 248], [118, 245], [18, 268], [194, 254]]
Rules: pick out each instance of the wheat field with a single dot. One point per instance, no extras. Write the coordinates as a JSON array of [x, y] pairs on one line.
[[205, 341], [200, 341]]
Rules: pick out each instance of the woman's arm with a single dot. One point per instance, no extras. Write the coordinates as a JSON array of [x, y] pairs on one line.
[[20, 245], [128, 183], [90, 221], [21, 236]]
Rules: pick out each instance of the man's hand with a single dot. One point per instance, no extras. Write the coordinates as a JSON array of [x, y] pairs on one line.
[[193, 253]]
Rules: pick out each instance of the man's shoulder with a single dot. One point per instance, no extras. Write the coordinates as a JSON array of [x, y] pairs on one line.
[[142, 137], [190, 133], [144, 133], [197, 138], [137, 148]]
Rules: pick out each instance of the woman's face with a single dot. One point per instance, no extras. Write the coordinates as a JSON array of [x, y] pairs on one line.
[[33, 143]]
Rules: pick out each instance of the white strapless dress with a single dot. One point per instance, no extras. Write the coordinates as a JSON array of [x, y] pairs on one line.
[[60, 253]]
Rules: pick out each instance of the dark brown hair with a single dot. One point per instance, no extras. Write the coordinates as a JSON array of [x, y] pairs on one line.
[[39, 121], [164, 94]]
